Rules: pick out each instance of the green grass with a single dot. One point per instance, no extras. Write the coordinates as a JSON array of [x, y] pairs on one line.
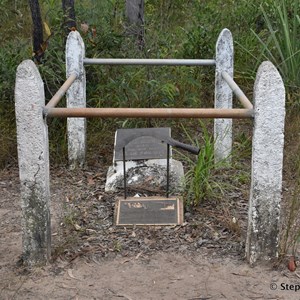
[[201, 181], [280, 42]]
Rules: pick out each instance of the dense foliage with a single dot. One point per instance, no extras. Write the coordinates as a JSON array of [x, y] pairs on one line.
[[173, 29]]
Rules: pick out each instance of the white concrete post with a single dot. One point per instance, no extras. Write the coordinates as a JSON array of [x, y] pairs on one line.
[[223, 96], [267, 163], [76, 97], [33, 157]]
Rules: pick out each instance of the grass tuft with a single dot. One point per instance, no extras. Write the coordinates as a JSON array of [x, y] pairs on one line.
[[201, 178]]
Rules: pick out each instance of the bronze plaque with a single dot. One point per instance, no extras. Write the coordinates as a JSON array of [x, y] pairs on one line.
[[149, 211], [143, 146]]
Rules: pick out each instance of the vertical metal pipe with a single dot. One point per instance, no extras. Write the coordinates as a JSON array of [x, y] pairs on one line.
[[168, 170], [124, 173]]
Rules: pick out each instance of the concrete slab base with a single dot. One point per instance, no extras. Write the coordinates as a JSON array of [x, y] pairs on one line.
[[150, 173]]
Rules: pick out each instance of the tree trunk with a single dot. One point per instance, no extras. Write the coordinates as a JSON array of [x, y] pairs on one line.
[[69, 15], [135, 19], [37, 32]]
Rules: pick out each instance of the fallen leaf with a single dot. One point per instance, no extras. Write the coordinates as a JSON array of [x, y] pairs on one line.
[[292, 264], [90, 231], [125, 261], [67, 287], [77, 227], [70, 273], [91, 181], [139, 255]]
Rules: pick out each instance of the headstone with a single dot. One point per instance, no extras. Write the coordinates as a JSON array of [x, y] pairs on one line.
[[144, 147], [146, 161]]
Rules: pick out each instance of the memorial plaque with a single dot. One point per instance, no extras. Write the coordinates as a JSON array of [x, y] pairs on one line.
[[149, 211], [144, 144]]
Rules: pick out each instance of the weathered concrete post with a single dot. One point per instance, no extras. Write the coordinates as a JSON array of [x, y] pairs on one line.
[[33, 157], [267, 162], [223, 96], [76, 97]]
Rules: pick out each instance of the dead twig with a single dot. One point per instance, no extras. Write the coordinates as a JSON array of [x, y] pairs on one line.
[[199, 298], [120, 295]]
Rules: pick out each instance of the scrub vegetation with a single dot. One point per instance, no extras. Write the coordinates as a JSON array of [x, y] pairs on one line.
[[262, 30]]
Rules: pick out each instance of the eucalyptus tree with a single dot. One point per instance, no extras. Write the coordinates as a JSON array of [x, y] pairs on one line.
[[135, 20], [69, 15], [37, 31]]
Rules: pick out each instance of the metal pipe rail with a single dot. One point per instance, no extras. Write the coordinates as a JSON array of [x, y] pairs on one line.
[[61, 92], [237, 91], [236, 113], [151, 62]]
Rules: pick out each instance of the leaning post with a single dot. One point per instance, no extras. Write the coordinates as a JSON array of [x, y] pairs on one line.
[[223, 96], [267, 163], [76, 97], [33, 159]]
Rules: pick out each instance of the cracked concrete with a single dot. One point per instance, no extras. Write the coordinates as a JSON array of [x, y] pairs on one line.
[[223, 96], [33, 158], [267, 164], [76, 97]]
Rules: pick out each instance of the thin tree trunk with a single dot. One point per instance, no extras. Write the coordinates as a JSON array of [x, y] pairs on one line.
[[69, 15], [135, 19], [37, 32]]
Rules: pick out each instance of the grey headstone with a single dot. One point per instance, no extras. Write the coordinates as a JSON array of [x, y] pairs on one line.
[[144, 147]]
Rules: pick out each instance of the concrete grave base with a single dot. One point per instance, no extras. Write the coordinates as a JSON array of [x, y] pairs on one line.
[[150, 174]]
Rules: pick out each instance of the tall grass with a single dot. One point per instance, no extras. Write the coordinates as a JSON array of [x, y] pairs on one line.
[[200, 180], [281, 40]]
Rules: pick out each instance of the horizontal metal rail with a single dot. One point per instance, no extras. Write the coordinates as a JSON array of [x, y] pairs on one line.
[[148, 113], [61, 92], [237, 91], [152, 62]]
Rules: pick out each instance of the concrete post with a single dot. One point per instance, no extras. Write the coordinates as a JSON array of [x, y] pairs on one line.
[[267, 162], [76, 97], [223, 96], [33, 157]]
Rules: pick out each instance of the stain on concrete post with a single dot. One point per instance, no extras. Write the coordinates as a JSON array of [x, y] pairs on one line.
[[267, 162], [223, 96], [33, 158], [76, 97]]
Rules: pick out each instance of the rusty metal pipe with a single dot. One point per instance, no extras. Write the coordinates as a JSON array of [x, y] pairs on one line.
[[237, 91], [61, 92], [152, 62], [148, 113]]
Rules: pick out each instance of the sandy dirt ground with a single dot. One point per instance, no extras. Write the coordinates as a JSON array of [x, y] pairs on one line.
[[101, 262]]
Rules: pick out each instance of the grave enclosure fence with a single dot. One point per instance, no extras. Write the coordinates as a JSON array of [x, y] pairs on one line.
[[268, 116]]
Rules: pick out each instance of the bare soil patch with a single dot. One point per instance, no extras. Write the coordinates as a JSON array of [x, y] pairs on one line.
[[92, 259]]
